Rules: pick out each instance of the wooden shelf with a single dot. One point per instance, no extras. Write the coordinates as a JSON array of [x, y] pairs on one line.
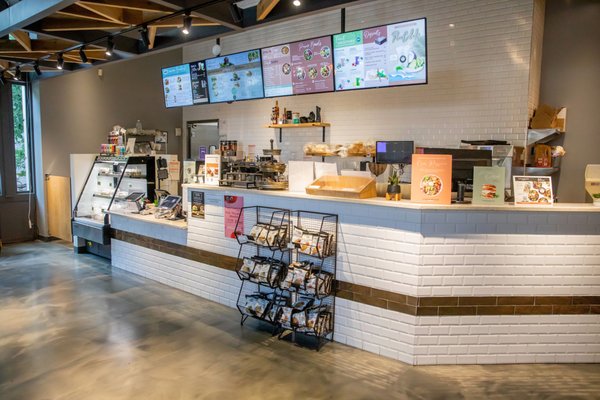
[[321, 125], [307, 125]]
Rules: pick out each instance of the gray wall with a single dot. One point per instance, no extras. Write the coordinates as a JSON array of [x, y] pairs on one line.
[[79, 109], [73, 113], [571, 78]]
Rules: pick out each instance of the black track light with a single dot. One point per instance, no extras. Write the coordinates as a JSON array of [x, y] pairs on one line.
[[18, 74], [82, 55], [60, 61], [235, 12], [36, 68], [187, 24], [145, 37], [110, 47]]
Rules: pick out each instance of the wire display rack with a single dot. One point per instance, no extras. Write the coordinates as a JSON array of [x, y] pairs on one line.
[[287, 264]]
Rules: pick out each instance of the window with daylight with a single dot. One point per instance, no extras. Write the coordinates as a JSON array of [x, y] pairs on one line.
[[21, 139]]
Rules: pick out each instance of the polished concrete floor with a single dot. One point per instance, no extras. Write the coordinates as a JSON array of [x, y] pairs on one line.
[[72, 328]]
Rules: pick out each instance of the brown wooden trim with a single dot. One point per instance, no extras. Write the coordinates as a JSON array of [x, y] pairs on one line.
[[189, 253], [417, 306]]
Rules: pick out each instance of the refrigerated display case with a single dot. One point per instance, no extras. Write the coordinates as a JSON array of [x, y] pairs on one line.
[[110, 181]]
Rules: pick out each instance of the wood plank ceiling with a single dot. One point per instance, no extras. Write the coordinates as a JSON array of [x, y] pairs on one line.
[[91, 22]]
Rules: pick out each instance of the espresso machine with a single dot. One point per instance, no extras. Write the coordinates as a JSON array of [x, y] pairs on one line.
[[266, 172]]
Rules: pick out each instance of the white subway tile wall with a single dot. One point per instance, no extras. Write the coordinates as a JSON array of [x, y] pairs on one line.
[[478, 78]]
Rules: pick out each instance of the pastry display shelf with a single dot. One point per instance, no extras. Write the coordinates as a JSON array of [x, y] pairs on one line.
[[281, 127]]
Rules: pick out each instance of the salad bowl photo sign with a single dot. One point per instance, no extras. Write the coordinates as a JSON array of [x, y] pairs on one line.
[[488, 185], [431, 178], [533, 190]]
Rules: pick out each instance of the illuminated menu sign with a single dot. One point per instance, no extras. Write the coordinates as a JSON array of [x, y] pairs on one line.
[[199, 83], [235, 77], [298, 68], [390, 55], [177, 86]]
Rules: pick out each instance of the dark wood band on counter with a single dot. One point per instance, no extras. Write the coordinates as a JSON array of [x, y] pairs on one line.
[[174, 249], [417, 306]]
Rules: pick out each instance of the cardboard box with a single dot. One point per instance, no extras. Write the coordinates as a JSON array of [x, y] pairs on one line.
[[546, 117], [542, 156], [518, 156]]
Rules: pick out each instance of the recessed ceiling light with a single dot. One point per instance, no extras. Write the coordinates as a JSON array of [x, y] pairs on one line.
[[297, 3], [451, 25]]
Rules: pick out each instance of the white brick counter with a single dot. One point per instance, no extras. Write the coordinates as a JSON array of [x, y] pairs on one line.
[[434, 285]]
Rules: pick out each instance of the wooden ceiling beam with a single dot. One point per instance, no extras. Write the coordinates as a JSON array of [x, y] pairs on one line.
[[48, 45], [264, 7], [109, 13], [151, 36], [218, 13], [140, 5], [77, 11], [23, 39], [58, 25], [177, 22]]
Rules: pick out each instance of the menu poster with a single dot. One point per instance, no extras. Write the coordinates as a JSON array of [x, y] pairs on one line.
[[431, 178], [212, 169], [177, 86], [383, 56], [488, 185], [189, 171], [197, 204], [233, 210], [298, 68], [199, 82], [533, 190], [235, 77]]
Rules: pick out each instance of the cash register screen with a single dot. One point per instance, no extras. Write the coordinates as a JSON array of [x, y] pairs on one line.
[[170, 202]]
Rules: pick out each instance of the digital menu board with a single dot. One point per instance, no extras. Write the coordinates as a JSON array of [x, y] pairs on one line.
[[383, 56], [177, 86], [298, 68], [235, 77], [199, 83]]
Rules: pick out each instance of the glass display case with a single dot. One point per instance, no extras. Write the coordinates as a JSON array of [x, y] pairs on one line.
[[110, 181]]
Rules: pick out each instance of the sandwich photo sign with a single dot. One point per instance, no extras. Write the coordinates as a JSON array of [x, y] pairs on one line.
[[488, 185]]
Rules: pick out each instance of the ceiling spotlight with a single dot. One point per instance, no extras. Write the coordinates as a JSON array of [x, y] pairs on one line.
[[187, 24], [144, 36], [82, 55], [297, 3], [110, 47], [60, 61], [18, 74], [36, 68]]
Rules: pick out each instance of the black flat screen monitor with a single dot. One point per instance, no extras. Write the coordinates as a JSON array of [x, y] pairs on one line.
[[463, 161], [302, 67], [382, 56], [394, 152], [235, 77]]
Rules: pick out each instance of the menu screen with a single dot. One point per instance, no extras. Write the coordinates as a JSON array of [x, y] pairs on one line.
[[235, 77], [199, 83], [177, 86], [390, 55], [298, 68]]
